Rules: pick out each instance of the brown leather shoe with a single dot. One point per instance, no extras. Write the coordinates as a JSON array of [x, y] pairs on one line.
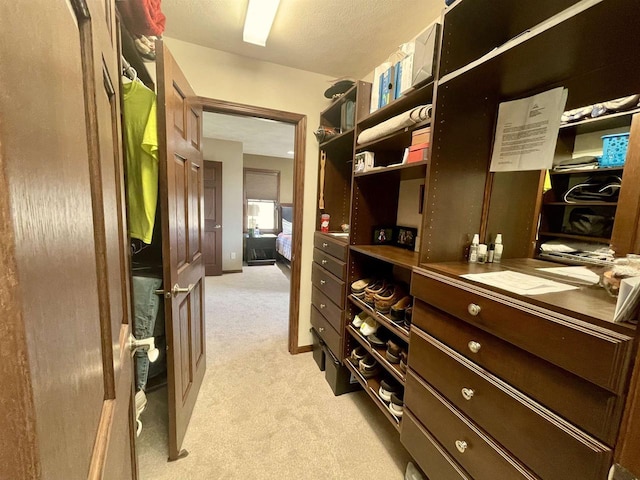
[[376, 287], [389, 296], [398, 309]]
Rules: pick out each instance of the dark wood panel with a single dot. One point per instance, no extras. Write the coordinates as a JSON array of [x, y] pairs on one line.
[[186, 373], [388, 253], [335, 246], [329, 263], [195, 211], [181, 215], [552, 448], [629, 441], [331, 337], [548, 336], [432, 458], [592, 408], [329, 310], [330, 285], [482, 457]]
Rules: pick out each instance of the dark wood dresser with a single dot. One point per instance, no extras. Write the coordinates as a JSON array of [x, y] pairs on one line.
[[502, 386]]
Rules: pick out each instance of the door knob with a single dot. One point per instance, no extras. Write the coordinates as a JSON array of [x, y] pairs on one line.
[[322, 282], [218, 226], [178, 289], [468, 393], [474, 309], [324, 262], [461, 445], [474, 346], [322, 305], [325, 245], [146, 345]]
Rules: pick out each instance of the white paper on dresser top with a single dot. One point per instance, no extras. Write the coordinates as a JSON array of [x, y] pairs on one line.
[[519, 283], [579, 273]]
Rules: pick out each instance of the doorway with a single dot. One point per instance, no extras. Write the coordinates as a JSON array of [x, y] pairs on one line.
[[299, 124]]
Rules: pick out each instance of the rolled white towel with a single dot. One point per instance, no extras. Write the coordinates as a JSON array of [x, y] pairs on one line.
[[405, 119]]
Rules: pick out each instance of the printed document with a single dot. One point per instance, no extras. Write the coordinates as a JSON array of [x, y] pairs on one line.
[[519, 283], [527, 132]]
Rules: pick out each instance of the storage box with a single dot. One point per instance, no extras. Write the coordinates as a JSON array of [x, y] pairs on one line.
[[318, 349], [421, 136], [425, 55], [363, 162], [614, 150], [337, 375], [418, 153]]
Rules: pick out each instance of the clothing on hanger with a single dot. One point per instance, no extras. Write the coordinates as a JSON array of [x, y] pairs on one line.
[[141, 144]]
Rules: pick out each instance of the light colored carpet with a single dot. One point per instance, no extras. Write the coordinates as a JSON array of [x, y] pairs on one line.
[[263, 413]]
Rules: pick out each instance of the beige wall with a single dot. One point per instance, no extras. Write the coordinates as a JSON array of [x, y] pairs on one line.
[[230, 154], [225, 76], [283, 165]]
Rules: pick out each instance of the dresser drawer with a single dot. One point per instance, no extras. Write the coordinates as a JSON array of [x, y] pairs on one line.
[[328, 284], [332, 264], [482, 458], [331, 246], [432, 458], [552, 447], [593, 353], [327, 308], [326, 331], [592, 408]]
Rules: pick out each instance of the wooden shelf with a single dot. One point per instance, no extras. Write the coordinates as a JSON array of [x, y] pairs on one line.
[[378, 353], [587, 172], [400, 332], [408, 171], [398, 140], [581, 204], [605, 122], [420, 96], [337, 103], [582, 238], [342, 140], [394, 255], [371, 386]]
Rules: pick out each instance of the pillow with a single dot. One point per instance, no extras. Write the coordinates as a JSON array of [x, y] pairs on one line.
[[286, 227]]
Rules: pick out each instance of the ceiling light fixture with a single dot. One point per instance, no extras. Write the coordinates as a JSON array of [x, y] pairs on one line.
[[257, 24]]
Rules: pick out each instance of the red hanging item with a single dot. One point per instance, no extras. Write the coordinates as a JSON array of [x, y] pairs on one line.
[[142, 17]]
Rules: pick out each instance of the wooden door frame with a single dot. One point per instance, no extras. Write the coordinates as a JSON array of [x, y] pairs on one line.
[[300, 122]]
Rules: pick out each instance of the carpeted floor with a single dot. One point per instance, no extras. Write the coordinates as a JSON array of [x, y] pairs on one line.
[[263, 413]]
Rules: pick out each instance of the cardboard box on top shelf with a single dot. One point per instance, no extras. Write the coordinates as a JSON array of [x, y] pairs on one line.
[[421, 136]]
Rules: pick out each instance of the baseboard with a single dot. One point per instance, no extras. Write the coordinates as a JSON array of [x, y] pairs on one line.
[[303, 349], [231, 271]]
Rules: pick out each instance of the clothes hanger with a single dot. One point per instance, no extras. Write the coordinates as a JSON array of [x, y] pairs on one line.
[[129, 73]]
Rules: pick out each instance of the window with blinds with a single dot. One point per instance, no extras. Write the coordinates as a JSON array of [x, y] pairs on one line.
[[261, 199]]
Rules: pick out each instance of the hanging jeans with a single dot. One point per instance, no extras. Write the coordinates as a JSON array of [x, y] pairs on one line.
[[145, 310]]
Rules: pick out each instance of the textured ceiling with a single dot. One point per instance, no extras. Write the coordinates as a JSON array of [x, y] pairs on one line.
[[332, 37], [258, 136]]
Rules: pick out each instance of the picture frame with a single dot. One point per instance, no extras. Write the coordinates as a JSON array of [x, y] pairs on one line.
[[383, 235], [405, 237]]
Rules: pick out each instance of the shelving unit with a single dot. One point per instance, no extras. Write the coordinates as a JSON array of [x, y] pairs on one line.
[[377, 353], [371, 386], [390, 254], [400, 332]]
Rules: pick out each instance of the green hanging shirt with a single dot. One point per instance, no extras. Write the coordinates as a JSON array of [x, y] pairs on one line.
[[141, 137]]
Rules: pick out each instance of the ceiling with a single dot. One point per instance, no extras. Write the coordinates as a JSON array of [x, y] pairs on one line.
[[258, 136], [338, 38]]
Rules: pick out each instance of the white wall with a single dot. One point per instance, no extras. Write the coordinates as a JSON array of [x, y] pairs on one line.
[[283, 165], [230, 154], [225, 76]]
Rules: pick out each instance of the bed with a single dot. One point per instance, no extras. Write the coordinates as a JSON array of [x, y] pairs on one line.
[[283, 241]]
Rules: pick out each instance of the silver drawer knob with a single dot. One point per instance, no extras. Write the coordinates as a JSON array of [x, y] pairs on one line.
[[321, 329], [322, 305], [324, 245], [322, 282], [474, 346], [461, 445], [468, 393], [474, 309], [324, 262]]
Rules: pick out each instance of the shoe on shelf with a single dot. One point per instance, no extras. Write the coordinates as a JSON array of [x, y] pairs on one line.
[[407, 317], [372, 289], [359, 319], [388, 388], [369, 326], [368, 367], [387, 297], [357, 287], [358, 354], [398, 309], [396, 406], [403, 361], [375, 340], [393, 351]]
